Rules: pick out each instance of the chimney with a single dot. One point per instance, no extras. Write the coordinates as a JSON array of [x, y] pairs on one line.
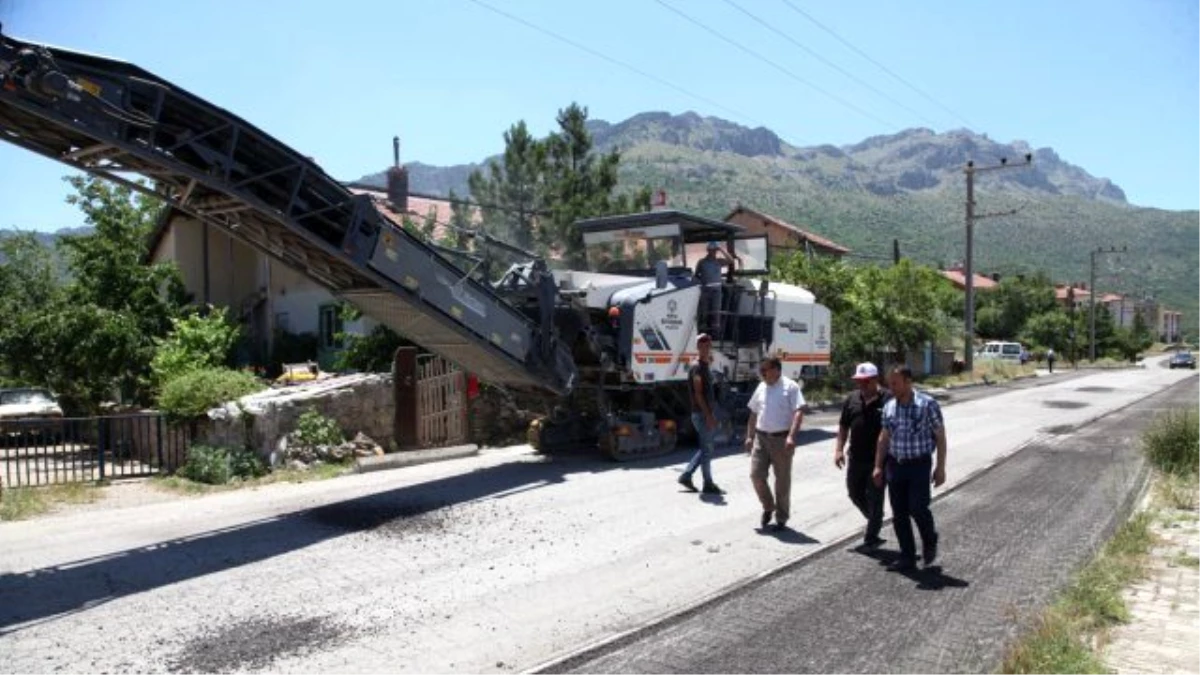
[[397, 180], [658, 202]]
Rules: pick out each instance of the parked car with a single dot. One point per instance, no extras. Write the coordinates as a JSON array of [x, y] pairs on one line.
[[37, 408], [1008, 351], [1182, 360]]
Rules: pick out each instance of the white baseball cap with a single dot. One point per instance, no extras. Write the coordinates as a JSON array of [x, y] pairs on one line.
[[865, 371]]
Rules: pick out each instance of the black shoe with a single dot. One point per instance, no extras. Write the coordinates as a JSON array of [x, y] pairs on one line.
[[870, 545], [902, 565], [766, 519], [686, 482], [929, 553], [712, 489], [781, 525]]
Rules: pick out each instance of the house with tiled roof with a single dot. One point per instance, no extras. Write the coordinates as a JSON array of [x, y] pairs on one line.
[[782, 234], [957, 276]]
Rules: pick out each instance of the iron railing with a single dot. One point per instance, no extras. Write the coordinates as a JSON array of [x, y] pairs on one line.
[[37, 452]]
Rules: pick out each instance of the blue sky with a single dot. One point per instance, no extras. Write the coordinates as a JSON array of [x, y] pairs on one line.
[[1112, 86]]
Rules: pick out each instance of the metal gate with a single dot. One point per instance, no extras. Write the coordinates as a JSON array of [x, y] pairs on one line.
[[441, 402], [37, 452]]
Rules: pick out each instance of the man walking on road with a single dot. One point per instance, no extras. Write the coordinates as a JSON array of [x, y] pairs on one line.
[[1050, 358], [862, 417], [776, 413], [912, 431], [704, 417]]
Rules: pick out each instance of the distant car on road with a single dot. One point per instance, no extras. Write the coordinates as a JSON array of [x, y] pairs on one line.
[[1183, 360], [1006, 351]]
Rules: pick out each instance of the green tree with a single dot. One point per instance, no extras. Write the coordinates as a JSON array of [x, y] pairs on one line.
[[580, 183], [537, 191], [1004, 310], [197, 340], [93, 337], [1048, 330], [902, 301], [512, 191], [462, 221]]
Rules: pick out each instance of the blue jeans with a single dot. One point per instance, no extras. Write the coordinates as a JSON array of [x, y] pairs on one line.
[[703, 456]]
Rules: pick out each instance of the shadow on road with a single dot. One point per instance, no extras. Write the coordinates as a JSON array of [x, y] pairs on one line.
[[787, 535], [931, 578], [49, 592]]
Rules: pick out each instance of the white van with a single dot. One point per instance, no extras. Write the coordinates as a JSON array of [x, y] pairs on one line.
[[1008, 351]]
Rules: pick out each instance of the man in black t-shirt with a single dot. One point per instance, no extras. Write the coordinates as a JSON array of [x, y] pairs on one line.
[[861, 421], [704, 418]]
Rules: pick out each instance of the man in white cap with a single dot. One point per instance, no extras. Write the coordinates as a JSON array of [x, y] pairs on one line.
[[708, 273], [861, 421]]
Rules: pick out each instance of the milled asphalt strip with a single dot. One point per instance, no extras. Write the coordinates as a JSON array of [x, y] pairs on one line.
[[590, 654]]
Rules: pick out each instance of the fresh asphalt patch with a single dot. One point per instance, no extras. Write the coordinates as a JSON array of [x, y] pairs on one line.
[[254, 644]]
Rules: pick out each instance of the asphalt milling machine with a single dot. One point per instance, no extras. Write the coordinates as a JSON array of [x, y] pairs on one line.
[[605, 349]]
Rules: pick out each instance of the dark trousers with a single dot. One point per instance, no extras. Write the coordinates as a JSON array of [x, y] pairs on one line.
[[865, 496], [909, 492]]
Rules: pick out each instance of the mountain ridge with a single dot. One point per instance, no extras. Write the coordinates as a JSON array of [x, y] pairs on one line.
[[912, 160]]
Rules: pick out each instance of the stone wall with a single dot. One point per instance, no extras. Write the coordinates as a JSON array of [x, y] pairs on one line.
[[499, 417], [359, 403]]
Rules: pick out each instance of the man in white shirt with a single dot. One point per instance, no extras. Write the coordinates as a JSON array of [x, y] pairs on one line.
[[776, 413]]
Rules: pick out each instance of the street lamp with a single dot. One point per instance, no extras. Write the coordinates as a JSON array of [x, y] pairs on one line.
[[969, 266]]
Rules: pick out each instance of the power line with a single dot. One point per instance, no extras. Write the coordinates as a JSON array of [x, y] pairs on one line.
[[879, 65], [614, 61], [789, 73], [826, 61]]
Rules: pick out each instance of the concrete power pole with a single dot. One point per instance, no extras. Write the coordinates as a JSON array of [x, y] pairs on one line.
[[969, 264], [1092, 299]]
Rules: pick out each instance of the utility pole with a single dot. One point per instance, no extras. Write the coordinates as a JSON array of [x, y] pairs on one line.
[[969, 266], [895, 251], [1092, 298]]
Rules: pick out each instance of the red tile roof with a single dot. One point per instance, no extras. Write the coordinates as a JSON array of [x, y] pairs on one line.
[[959, 279], [419, 208], [814, 238], [1060, 293]]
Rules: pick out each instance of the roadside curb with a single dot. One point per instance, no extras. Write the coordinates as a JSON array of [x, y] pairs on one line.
[[399, 460]]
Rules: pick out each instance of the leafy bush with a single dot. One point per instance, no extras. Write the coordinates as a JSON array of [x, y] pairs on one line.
[[196, 342], [207, 464], [315, 429], [370, 353], [194, 393], [217, 466], [1172, 443]]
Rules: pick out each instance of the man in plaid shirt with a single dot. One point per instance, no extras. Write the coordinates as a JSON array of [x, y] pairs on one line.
[[912, 433]]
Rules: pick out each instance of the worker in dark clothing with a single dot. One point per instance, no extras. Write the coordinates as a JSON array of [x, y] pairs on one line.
[[704, 418], [861, 421], [709, 274]]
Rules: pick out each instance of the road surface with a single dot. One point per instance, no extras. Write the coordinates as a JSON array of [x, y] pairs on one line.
[[493, 563]]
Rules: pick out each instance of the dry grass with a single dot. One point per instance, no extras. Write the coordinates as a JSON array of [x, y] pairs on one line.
[[26, 502], [1062, 637]]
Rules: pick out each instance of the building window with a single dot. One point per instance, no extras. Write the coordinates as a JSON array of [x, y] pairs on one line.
[[330, 322]]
